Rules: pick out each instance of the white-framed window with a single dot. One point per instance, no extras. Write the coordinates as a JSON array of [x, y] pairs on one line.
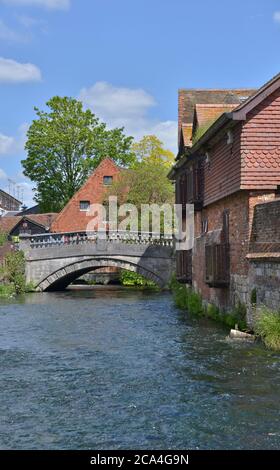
[[107, 180], [84, 205]]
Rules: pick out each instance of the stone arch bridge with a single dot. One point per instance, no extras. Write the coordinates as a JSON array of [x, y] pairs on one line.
[[53, 261]]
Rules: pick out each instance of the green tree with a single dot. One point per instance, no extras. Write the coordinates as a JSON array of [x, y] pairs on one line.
[[14, 270], [145, 183], [64, 144], [151, 148]]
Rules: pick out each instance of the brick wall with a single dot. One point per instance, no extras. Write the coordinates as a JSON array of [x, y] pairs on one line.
[[241, 217], [265, 233], [222, 173], [71, 217], [238, 207]]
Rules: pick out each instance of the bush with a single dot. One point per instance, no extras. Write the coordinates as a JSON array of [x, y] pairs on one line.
[[268, 328], [30, 287], [14, 270], [195, 305], [6, 290], [130, 278], [239, 316], [213, 312], [181, 297], [186, 299], [3, 238]]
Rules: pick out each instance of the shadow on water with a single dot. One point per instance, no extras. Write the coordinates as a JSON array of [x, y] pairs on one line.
[[119, 368]]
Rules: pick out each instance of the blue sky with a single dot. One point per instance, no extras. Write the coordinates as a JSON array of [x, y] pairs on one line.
[[126, 60]]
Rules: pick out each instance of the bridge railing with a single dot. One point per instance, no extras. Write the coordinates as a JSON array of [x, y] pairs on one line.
[[79, 238]]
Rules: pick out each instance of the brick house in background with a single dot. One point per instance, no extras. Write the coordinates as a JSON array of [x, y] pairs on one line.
[[231, 168], [32, 224], [15, 226], [74, 216]]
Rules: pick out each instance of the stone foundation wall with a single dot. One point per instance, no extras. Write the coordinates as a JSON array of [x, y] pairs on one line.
[[264, 276]]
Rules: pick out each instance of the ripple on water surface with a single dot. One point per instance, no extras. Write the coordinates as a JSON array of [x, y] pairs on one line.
[[123, 369]]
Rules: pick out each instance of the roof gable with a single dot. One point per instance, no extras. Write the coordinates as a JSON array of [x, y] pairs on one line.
[[260, 95], [97, 173], [189, 98], [205, 113], [8, 224]]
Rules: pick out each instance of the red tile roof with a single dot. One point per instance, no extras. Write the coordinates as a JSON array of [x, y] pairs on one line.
[[205, 113], [188, 98], [7, 224], [187, 134]]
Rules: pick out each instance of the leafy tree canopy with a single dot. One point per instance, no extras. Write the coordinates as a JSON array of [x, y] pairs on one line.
[[146, 182], [150, 148], [64, 144]]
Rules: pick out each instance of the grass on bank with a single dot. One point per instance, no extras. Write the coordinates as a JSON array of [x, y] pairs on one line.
[[186, 299], [268, 328], [132, 279]]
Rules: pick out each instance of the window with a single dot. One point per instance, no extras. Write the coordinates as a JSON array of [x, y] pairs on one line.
[[84, 205], [217, 258], [107, 180], [217, 265], [204, 226], [184, 266], [230, 137]]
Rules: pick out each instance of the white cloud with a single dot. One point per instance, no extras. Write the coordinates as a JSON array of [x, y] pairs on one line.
[[26, 191], [49, 4], [3, 175], [276, 16], [14, 72], [11, 145], [7, 144], [107, 100], [9, 35], [28, 21], [129, 108]]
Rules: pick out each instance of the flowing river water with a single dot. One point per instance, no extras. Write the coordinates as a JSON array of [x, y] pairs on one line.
[[112, 368]]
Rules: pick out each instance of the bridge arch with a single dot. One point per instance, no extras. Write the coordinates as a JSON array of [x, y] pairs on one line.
[[65, 275]]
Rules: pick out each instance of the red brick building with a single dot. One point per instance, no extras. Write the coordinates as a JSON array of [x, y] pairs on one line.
[[74, 216], [229, 169]]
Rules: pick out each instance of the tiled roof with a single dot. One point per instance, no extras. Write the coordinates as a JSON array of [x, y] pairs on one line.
[[188, 98], [205, 113], [7, 224], [187, 134], [43, 219]]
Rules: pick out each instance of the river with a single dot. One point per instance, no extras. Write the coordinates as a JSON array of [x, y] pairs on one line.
[[112, 368]]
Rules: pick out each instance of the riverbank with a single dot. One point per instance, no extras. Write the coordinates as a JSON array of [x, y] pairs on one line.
[[267, 323]]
